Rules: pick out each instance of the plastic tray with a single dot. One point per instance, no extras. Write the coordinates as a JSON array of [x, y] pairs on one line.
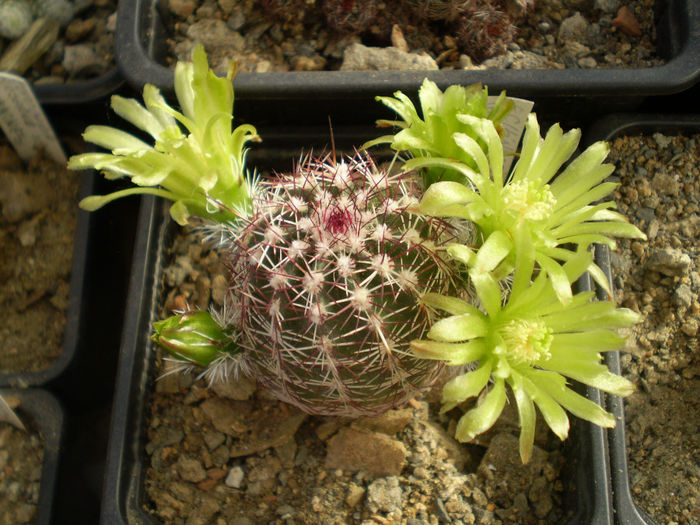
[[42, 411]]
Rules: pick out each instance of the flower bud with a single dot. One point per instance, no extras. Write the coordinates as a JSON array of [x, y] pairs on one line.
[[194, 337]]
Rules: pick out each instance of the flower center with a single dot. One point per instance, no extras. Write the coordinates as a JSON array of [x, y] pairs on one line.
[[529, 200], [527, 341], [338, 220]]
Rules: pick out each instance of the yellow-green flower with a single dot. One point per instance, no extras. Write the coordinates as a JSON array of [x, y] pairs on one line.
[[432, 135], [538, 209], [202, 171], [531, 342]]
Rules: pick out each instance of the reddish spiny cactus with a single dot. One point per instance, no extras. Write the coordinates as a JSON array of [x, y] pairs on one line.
[[349, 16], [326, 285], [484, 30]]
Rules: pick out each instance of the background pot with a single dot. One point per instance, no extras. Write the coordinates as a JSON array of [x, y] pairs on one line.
[[626, 508], [347, 97], [124, 493], [41, 412]]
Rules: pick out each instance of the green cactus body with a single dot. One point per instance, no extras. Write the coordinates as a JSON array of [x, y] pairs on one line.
[[15, 18], [327, 279]]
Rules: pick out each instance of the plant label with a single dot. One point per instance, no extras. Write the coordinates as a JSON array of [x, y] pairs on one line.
[[513, 126], [24, 122]]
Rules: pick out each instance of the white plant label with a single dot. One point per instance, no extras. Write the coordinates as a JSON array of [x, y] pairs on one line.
[[513, 126], [24, 122]]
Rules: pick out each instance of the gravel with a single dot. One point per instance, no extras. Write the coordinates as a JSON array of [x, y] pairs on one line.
[[556, 34], [660, 191]]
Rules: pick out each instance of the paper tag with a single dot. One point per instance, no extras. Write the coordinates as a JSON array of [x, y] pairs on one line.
[[513, 126], [24, 122]]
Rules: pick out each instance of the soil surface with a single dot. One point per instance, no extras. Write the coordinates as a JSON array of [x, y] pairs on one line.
[[21, 464], [555, 34], [38, 216], [84, 49], [233, 455], [660, 192]]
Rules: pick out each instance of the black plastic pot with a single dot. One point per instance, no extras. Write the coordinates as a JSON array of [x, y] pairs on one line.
[[41, 411], [76, 310], [348, 97], [80, 92], [626, 510], [587, 477]]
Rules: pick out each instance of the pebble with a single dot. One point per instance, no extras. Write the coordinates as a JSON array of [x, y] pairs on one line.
[[627, 22], [668, 261], [384, 495], [371, 452], [358, 57], [234, 478], [574, 29], [607, 6], [82, 60]]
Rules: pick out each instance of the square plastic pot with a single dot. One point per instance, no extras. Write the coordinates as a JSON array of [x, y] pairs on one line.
[[41, 411], [589, 495], [348, 97], [627, 511], [76, 309]]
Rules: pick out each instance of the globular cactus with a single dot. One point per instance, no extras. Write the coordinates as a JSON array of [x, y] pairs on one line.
[[327, 278], [15, 18], [349, 16], [484, 30]]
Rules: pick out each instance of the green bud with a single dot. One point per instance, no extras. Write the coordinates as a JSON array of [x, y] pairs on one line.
[[194, 337]]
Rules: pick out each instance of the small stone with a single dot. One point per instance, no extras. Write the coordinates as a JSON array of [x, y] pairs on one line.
[[190, 469], [214, 439], [79, 29], [235, 476], [215, 35], [587, 63], [575, 28], [384, 495], [397, 39], [668, 261], [237, 20], [82, 60], [182, 8], [607, 6], [626, 22], [690, 327], [239, 389], [226, 6], [390, 422], [683, 296], [354, 495], [372, 452], [362, 58]]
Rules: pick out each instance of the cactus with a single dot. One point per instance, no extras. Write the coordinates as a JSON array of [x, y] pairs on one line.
[[484, 30], [15, 18], [349, 16], [327, 278]]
